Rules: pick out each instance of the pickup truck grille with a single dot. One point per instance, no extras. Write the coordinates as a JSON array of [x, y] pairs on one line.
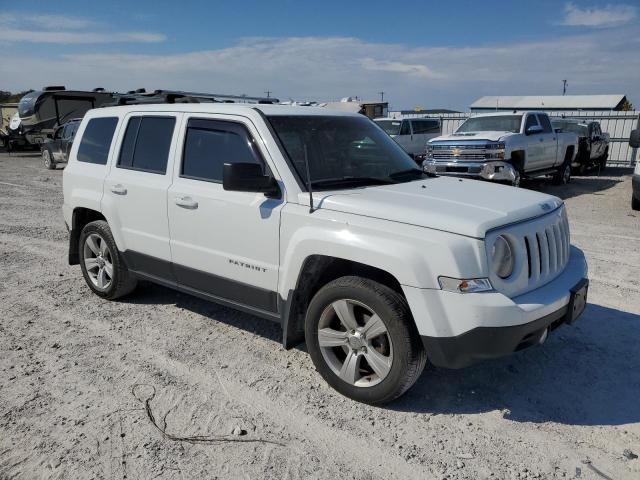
[[541, 249], [459, 152]]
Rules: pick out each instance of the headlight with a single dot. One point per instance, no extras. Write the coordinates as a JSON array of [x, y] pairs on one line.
[[495, 151], [502, 258], [429, 151]]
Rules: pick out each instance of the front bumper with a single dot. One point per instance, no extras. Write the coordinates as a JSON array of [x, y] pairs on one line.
[[460, 329], [494, 170]]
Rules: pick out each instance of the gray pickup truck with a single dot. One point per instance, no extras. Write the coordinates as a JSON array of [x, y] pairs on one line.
[[504, 147]]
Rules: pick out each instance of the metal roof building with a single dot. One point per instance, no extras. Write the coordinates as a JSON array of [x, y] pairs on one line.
[[548, 102]]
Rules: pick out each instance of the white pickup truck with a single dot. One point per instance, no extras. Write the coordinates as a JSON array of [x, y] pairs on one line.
[[319, 221], [504, 147]]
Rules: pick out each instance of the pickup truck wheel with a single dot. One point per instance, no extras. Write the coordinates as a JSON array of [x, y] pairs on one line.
[[602, 161], [47, 159], [362, 340], [635, 203], [102, 265], [563, 175]]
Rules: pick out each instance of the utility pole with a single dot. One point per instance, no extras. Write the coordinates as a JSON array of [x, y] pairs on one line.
[[268, 92], [564, 87], [381, 97]]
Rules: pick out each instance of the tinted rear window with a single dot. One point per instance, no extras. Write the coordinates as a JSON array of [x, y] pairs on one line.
[[146, 144], [96, 140]]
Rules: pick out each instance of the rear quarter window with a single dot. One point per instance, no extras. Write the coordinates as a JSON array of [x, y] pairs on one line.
[[146, 144], [96, 140]]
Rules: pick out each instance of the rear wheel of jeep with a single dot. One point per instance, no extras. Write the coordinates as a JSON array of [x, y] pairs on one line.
[[363, 341], [102, 265]]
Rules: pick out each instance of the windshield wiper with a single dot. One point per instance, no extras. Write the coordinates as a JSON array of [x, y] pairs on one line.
[[327, 182]]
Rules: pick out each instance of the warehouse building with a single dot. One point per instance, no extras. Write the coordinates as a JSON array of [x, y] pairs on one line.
[[549, 102]]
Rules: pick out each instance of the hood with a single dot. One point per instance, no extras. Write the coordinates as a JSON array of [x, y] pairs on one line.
[[461, 206], [461, 137]]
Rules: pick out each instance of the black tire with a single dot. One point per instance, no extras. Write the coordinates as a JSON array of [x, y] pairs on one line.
[[47, 159], [122, 282], [602, 161], [563, 174], [635, 203], [408, 358]]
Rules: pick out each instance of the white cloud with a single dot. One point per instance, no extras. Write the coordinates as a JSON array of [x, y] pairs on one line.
[[328, 68], [606, 16], [59, 29]]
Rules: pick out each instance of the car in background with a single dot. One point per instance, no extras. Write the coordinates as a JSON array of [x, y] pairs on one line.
[[634, 142], [593, 144], [504, 147], [56, 149], [412, 134]]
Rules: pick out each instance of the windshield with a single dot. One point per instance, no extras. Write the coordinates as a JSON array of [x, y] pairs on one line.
[[392, 127], [578, 128], [26, 104], [343, 151], [498, 123]]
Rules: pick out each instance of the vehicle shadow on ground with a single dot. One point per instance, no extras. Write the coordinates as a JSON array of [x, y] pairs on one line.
[[590, 183], [585, 374], [151, 294]]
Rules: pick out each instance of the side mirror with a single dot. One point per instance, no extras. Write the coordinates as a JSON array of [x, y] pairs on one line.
[[49, 135], [248, 177], [634, 139], [534, 129]]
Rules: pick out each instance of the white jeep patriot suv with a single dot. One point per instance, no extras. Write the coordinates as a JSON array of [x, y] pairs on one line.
[[318, 220]]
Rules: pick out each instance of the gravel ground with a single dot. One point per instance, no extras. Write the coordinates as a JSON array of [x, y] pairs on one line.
[[75, 372]]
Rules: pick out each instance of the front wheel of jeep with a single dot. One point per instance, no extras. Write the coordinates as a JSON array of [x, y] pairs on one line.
[[363, 341]]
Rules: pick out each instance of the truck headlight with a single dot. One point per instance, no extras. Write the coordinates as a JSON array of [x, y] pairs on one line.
[[495, 151], [502, 260], [429, 151]]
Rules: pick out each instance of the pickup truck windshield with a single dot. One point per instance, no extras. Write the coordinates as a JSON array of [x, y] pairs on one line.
[[392, 127], [343, 151], [498, 123]]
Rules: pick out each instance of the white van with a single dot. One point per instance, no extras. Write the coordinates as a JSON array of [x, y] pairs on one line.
[[412, 134]]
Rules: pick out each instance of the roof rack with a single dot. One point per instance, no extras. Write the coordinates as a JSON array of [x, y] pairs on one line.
[[140, 96]]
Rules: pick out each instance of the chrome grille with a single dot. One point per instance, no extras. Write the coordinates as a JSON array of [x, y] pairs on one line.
[[460, 152]]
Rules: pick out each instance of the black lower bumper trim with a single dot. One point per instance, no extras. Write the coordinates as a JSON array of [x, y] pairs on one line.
[[483, 343]]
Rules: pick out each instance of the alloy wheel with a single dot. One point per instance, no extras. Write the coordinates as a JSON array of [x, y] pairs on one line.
[[98, 261], [46, 157], [355, 343]]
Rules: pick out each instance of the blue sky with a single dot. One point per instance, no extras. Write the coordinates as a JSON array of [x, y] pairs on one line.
[[432, 54]]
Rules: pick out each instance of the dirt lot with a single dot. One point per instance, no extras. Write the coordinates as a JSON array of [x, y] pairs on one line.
[[75, 372]]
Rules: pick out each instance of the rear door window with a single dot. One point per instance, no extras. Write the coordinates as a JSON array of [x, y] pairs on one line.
[[96, 140], [209, 144], [146, 144]]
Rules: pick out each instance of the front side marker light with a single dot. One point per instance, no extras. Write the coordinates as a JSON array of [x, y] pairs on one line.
[[473, 285]]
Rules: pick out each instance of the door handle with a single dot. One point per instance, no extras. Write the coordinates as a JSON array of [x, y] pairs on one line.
[[118, 189], [186, 202]]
